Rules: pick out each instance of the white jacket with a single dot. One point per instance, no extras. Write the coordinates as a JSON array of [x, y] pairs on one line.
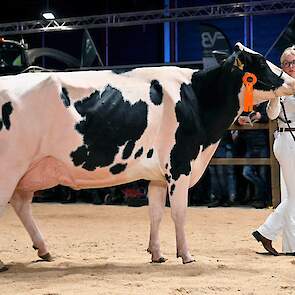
[[274, 110]]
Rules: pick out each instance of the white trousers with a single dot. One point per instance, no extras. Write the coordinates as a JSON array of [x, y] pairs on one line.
[[283, 217]]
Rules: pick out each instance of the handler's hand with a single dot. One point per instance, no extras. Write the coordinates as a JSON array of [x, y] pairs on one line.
[[243, 120]]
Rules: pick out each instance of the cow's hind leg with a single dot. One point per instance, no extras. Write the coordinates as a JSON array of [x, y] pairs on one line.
[[21, 202], [6, 191], [178, 196], [12, 168], [157, 198]]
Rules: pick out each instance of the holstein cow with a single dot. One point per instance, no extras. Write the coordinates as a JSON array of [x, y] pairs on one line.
[[92, 129]]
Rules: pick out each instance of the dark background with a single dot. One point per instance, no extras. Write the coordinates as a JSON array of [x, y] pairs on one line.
[[140, 44], [21, 10]]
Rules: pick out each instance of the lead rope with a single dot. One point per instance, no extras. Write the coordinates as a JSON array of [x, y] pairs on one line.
[[287, 121]]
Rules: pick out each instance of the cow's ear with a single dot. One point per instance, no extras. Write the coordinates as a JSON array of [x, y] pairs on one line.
[[239, 62], [238, 47]]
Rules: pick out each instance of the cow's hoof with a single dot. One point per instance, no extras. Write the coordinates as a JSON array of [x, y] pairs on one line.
[[185, 258], [160, 260], [189, 261], [3, 267], [46, 257]]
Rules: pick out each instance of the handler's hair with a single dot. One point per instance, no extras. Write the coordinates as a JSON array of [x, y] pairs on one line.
[[287, 51]]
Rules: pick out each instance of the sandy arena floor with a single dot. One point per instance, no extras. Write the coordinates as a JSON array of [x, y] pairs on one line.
[[102, 250]]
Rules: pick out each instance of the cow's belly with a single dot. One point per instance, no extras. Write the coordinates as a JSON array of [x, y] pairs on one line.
[[49, 172]]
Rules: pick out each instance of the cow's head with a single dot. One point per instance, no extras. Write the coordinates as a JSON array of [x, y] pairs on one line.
[[271, 80]]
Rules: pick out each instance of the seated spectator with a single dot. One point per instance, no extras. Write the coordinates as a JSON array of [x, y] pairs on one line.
[[135, 193], [257, 146], [58, 193], [92, 195], [114, 196], [98, 195], [67, 194]]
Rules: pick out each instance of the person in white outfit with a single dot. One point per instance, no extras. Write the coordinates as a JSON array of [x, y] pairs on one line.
[[283, 218]]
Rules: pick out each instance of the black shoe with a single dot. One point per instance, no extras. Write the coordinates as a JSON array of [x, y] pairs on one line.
[[226, 204], [258, 204], [266, 243], [214, 204], [69, 199]]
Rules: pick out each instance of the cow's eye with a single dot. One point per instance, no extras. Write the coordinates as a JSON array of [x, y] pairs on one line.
[[262, 63]]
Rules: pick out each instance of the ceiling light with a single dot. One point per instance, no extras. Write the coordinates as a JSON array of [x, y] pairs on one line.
[[48, 15]]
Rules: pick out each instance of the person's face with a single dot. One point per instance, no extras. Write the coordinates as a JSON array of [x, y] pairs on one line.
[[288, 65]]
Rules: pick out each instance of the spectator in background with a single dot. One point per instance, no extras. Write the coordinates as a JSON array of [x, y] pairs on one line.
[[257, 146], [135, 193], [58, 193], [67, 194], [222, 177], [283, 218], [95, 196], [114, 196], [199, 194]]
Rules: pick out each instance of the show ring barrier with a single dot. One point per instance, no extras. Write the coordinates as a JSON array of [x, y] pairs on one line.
[[271, 161]]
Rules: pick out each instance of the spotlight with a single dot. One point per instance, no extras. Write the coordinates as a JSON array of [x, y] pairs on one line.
[[48, 15]]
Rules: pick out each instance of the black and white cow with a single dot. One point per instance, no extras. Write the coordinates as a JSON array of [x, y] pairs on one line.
[[95, 129]]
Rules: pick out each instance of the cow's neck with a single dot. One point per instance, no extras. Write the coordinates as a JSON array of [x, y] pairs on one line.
[[217, 93], [205, 110]]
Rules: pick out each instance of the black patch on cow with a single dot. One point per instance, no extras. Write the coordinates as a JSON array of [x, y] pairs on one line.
[[168, 177], [65, 97], [256, 64], [172, 189], [138, 153], [207, 108], [150, 153], [166, 166], [118, 168], [156, 92], [6, 112], [109, 122], [188, 134], [128, 149], [80, 155], [121, 71]]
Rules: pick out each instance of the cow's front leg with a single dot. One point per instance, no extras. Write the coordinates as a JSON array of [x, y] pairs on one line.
[[21, 202], [178, 195], [157, 199]]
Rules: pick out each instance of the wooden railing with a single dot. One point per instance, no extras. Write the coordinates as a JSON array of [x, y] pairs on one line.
[[271, 161]]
